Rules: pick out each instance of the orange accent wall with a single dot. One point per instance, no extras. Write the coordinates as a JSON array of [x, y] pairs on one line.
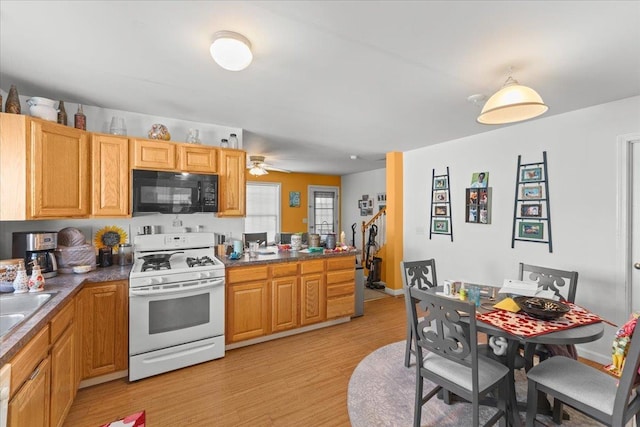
[[292, 218], [395, 242]]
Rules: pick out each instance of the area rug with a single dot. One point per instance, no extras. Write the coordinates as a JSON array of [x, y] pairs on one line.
[[382, 391]]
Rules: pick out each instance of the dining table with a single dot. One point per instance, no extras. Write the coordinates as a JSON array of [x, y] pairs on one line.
[[570, 336]]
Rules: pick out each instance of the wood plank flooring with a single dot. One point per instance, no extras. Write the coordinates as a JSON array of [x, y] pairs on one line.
[[300, 380]]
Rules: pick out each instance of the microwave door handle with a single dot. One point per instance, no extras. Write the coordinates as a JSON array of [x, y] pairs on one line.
[[199, 193]]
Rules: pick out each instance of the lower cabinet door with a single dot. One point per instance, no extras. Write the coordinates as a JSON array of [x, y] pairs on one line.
[[284, 303], [30, 405], [62, 376]]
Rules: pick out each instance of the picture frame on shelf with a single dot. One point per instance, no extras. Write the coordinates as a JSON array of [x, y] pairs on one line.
[[441, 196], [473, 197], [531, 230], [441, 226], [531, 210], [531, 174], [440, 183], [479, 180], [484, 216], [484, 196], [532, 192], [441, 210], [472, 213]]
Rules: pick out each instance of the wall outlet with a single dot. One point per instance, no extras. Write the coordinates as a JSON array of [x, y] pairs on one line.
[[177, 223]]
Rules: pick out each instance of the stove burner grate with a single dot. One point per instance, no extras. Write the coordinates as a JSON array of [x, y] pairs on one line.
[[156, 265], [199, 262]]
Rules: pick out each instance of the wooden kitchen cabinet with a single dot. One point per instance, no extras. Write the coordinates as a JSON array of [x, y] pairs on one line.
[[30, 383], [341, 285], [247, 303], [110, 176], [103, 312], [284, 296], [153, 154], [44, 169], [232, 184], [313, 305], [63, 356], [30, 405], [197, 158]]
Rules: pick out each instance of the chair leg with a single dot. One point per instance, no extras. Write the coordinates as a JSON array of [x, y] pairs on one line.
[[557, 411], [417, 411], [532, 403], [407, 352], [476, 411]]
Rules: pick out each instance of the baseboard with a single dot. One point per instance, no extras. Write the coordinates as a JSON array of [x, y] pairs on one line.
[[103, 379]]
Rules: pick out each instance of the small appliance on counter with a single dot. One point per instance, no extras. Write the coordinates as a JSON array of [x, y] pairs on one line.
[[74, 251], [37, 247]]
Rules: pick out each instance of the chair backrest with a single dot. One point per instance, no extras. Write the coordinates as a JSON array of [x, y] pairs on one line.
[[562, 283], [254, 237], [284, 238], [623, 406], [442, 330], [420, 274]]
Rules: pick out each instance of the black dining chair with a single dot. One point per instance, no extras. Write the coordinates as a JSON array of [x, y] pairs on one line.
[[451, 359], [587, 389], [420, 274]]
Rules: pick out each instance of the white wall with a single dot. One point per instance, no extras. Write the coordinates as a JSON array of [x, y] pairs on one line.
[[353, 187], [581, 152]]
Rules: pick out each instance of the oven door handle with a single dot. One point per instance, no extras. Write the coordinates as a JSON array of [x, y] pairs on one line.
[[147, 291]]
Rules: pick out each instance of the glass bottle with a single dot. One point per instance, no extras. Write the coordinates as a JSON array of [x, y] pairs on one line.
[[224, 143], [233, 141], [80, 120], [62, 114]]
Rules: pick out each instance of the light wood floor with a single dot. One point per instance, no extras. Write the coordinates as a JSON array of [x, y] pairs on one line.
[[300, 380]]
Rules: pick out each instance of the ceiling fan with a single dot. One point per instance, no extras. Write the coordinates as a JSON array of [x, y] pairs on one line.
[[258, 167]]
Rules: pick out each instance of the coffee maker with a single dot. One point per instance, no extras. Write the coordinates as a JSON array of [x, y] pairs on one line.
[[37, 246]]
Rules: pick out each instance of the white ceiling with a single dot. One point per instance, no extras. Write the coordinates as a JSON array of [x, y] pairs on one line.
[[329, 79]]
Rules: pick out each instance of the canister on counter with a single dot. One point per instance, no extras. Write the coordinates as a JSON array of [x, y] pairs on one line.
[[125, 254]]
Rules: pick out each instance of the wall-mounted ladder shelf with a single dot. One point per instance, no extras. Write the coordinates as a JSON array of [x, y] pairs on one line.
[[531, 209], [440, 216]]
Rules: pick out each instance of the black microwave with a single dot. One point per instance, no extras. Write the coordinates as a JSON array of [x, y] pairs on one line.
[[174, 192]]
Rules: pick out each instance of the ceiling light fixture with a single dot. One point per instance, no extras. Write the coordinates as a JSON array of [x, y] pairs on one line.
[[257, 170], [513, 103], [231, 51]]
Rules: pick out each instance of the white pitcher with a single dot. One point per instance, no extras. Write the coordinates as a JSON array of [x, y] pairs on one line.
[[43, 108]]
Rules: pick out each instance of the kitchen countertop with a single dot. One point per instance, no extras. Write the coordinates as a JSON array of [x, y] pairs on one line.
[[65, 286], [284, 256]]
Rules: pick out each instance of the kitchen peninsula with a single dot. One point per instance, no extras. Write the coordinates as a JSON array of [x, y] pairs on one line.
[[284, 293]]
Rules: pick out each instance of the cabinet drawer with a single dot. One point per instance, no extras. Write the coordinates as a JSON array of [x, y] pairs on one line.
[[340, 307], [61, 320], [341, 263], [23, 364], [341, 289], [282, 270], [341, 276], [245, 274], [316, 266]]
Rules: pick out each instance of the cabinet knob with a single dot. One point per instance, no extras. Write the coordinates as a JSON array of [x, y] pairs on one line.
[[637, 265]]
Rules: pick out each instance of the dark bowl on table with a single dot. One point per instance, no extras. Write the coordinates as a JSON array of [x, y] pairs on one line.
[[542, 308]]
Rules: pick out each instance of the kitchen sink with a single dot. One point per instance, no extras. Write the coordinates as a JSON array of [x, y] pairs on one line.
[[16, 308]]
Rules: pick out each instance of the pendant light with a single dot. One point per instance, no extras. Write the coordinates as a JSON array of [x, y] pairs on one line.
[[231, 51], [513, 103]]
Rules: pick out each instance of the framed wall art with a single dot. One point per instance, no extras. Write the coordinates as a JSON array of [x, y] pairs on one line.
[[294, 199], [531, 174], [441, 196], [531, 230], [441, 226], [440, 183], [531, 210], [532, 192], [441, 210]]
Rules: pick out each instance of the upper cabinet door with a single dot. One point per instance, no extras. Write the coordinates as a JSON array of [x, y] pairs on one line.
[[232, 184], [59, 171], [197, 158], [153, 154], [110, 173]]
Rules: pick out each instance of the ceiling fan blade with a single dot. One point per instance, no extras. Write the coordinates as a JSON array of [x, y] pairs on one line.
[[271, 168]]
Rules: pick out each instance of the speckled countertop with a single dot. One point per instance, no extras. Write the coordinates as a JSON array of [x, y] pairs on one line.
[[64, 286], [285, 256]]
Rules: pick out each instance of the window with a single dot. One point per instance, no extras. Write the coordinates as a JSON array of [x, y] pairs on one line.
[[323, 210], [263, 209]]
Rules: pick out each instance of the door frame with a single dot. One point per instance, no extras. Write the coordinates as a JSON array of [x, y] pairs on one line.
[[624, 207], [311, 213]]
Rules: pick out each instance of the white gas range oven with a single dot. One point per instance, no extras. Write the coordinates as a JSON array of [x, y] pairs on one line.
[[176, 303]]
